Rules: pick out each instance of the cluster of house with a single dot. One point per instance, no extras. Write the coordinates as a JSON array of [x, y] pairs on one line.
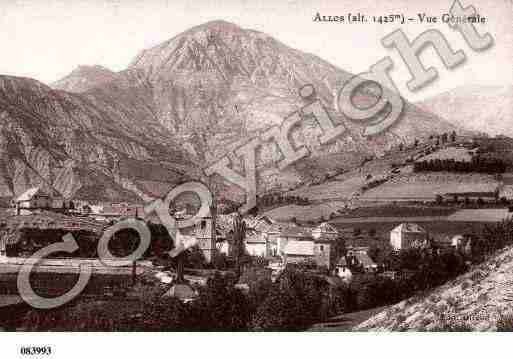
[[324, 246], [36, 198], [411, 235]]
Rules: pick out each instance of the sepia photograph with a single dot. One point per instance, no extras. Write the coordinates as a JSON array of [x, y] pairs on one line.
[[255, 166]]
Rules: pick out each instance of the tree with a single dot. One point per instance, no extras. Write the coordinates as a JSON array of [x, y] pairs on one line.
[[239, 234], [453, 136], [294, 301], [220, 306]]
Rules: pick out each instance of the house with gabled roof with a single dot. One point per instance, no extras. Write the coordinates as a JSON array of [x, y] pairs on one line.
[[407, 236], [38, 198], [325, 231], [318, 252], [33, 197]]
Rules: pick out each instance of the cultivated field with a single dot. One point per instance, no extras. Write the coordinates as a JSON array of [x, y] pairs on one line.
[[449, 153], [425, 186], [318, 212], [398, 211], [480, 215], [342, 188]]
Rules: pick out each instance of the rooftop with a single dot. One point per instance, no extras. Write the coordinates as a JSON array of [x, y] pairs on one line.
[[300, 248], [409, 228], [30, 193]]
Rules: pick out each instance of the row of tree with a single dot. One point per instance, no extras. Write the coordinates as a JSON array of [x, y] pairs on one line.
[[278, 199], [477, 164]]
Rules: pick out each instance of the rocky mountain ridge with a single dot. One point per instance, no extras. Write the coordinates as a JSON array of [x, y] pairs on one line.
[[187, 101], [67, 142]]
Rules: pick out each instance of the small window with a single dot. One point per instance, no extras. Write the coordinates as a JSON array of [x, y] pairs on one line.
[[322, 248], [203, 224]]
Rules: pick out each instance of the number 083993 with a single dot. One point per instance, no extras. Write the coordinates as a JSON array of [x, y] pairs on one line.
[[36, 350]]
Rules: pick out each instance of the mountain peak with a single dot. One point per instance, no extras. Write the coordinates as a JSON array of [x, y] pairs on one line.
[[84, 78], [90, 68], [219, 25]]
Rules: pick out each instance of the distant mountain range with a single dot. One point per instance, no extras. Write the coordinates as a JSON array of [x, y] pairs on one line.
[[487, 109], [130, 135]]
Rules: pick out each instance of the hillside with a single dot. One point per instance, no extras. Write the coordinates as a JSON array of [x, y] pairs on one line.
[[80, 148], [217, 84], [186, 101], [476, 300], [478, 108]]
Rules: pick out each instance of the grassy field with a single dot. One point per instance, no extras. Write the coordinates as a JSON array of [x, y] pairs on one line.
[[480, 215], [333, 189], [397, 211], [426, 186], [305, 213], [449, 153]]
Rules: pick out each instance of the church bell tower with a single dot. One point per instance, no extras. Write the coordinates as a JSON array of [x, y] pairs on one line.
[[206, 235]]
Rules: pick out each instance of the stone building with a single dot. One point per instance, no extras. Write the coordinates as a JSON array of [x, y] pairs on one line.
[[407, 236]]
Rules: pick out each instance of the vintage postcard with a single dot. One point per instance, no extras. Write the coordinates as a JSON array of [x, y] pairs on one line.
[[300, 165]]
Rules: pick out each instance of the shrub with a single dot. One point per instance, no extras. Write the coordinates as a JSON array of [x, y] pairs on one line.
[[505, 323], [220, 306], [448, 326], [294, 302]]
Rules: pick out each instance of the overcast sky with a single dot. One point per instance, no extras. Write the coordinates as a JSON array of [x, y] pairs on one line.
[[47, 39]]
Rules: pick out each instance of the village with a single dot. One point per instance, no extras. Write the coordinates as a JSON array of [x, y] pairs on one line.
[[332, 251], [374, 254]]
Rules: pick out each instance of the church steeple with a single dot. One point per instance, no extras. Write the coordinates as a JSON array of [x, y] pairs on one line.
[[206, 234]]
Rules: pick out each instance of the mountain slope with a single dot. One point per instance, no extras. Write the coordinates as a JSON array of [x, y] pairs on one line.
[[477, 108], [209, 89], [67, 142], [475, 301], [217, 85]]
